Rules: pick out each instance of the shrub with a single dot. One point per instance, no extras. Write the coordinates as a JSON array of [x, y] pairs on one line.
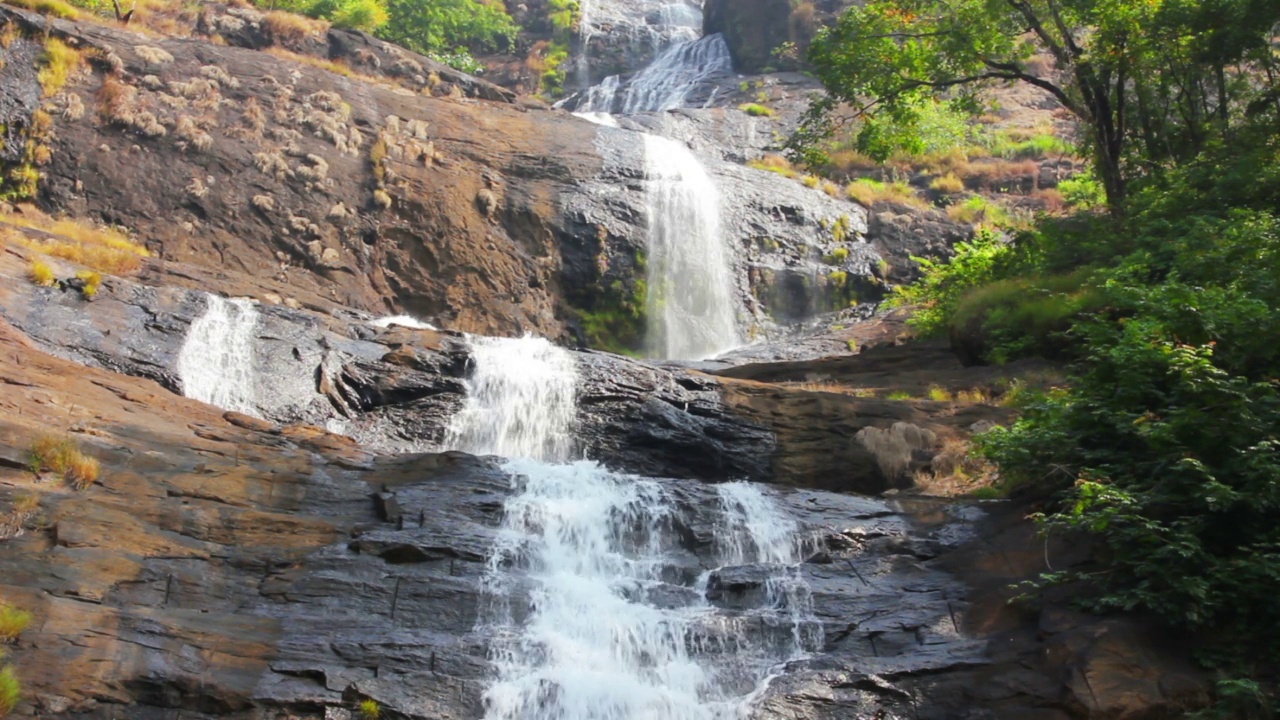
[[948, 183], [41, 274], [12, 622], [943, 284], [369, 709], [757, 110], [1082, 192], [899, 395], [291, 30], [367, 15]]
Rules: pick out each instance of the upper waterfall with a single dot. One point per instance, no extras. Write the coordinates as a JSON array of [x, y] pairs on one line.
[[217, 357], [521, 400], [690, 305], [666, 83]]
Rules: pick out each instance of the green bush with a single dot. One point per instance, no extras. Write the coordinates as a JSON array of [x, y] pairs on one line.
[[756, 110], [1082, 191], [1165, 448]]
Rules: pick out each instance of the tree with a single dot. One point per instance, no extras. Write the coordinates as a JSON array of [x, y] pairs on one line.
[[445, 26], [1168, 73]]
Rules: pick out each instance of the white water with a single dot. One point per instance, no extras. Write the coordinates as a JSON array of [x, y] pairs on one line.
[[216, 360], [664, 84], [521, 400], [404, 321], [690, 305], [606, 638]]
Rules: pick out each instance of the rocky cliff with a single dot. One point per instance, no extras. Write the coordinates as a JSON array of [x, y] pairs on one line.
[[353, 173]]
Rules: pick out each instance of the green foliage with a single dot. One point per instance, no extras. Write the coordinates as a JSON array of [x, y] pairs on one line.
[[1164, 449], [564, 15], [1151, 82], [554, 72], [943, 285], [367, 15], [449, 28], [926, 126], [370, 710], [1082, 192], [1037, 146]]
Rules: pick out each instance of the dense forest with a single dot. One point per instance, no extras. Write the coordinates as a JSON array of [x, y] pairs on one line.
[[1162, 447]]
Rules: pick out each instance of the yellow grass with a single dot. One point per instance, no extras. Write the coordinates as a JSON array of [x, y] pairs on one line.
[[41, 274], [292, 30], [61, 455], [869, 192], [948, 183], [56, 8], [82, 472], [12, 622], [774, 164], [57, 64], [332, 66], [100, 249]]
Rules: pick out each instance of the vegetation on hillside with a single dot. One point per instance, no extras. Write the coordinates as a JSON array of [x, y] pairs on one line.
[[1151, 83], [1162, 448]]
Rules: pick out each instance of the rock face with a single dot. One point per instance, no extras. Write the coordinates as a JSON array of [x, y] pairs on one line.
[[396, 388], [757, 30], [227, 567], [399, 186]]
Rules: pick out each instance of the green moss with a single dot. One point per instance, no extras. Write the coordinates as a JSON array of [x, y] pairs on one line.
[[613, 317]]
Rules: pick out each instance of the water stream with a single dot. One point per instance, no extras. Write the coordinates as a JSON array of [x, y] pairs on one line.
[[521, 400], [217, 357], [690, 305], [594, 609]]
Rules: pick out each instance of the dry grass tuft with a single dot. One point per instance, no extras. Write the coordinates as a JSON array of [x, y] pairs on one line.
[[41, 274], [955, 470], [292, 31], [775, 164], [101, 249], [62, 455], [869, 192], [57, 64], [948, 183], [12, 622], [55, 8]]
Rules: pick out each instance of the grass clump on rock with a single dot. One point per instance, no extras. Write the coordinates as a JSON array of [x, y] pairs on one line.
[[62, 456]]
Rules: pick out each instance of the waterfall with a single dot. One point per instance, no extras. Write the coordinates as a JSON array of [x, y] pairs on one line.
[[664, 84], [216, 360], [690, 305], [615, 629], [521, 400], [403, 321]]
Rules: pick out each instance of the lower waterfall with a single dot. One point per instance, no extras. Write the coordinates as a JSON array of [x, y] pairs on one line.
[[217, 357], [596, 608], [691, 306]]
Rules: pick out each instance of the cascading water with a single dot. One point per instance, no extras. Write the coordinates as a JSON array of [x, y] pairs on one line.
[[217, 357], [521, 400], [615, 629], [666, 83], [594, 610], [690, 305]]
